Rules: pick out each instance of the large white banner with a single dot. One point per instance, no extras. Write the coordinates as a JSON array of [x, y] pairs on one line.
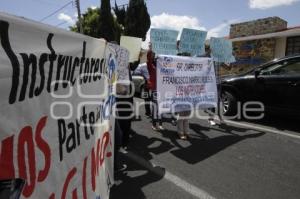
[[185, 83], [55, 113]]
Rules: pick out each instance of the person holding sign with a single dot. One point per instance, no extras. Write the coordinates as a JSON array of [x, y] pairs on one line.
[[182, 116], [151, 65]]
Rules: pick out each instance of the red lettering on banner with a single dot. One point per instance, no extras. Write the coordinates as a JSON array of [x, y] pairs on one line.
[[84, 179], [95, 164], [44, 147], [74, 194], [7, 169], [70, 175], [26, 157], [26, 139], [105, 140], [52, 196]]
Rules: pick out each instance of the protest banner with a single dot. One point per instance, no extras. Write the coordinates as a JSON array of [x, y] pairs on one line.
[[164, 42], [133, 45], [192, 41], [56, 127], [221, 50], [184, 83]]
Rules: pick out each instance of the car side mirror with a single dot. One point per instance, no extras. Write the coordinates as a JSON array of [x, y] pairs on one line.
[[257, 73]]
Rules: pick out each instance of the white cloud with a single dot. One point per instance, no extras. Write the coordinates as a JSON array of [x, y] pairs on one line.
[[67, 18], [93, 7], [176, 22], [265, 4], [216, 31]]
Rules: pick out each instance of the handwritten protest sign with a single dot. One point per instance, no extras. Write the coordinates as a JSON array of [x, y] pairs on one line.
[[192, 41], [55, 115], [122, 56], [184, 83], [133, 45], [221, 50], [163, 41]]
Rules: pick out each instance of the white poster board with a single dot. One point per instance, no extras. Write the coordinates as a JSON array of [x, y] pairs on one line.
[[133, 45], [122, 56], [185, 83], [55, 122]]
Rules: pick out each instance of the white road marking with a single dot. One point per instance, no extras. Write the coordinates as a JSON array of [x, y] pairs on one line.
[[186, 186], [259, 128], [193, 190]]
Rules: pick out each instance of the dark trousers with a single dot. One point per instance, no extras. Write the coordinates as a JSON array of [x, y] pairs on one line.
[[155, 116], [124, 119], [147, 98]]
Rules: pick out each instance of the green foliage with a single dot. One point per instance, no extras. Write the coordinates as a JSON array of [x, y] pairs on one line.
[[106, 22], [137, 21], [91, 27], [120, 13], [100, 23]]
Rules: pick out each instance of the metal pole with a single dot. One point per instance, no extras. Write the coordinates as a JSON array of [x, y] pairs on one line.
[[79, 16], [218, 64]]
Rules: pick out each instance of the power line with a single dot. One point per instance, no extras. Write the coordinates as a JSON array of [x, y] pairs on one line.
[[53, 13], [62, 23]]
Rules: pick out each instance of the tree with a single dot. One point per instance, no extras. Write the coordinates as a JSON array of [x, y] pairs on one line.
[[90, 23], [120, 13], [137, 21], [107, 28]]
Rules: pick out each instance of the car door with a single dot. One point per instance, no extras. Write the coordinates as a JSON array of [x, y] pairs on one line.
[[279, 84], [291, 73]]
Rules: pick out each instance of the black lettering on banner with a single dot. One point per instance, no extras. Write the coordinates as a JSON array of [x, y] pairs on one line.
[[82, 61], [61, 136], [60, 64], [96, 70], [35, 78], [86, 70], [43, 59], [31, 60], [13, 60], [75, 64], [52, 58]]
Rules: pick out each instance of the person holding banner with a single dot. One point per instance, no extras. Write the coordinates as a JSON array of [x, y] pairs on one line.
[[209, 111], [151, 65]]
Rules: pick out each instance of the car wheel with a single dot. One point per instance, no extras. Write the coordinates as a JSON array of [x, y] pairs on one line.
[[229, 103]]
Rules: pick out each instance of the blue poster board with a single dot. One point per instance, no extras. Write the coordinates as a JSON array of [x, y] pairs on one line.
[[221, 50], [192, 41], [164, 41]]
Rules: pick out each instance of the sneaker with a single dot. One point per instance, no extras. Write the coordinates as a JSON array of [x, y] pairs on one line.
[[123, 150], [212, 122], [160, 127], [182, 136], [174, 123], [121, 167], [187, 135], [154, 128]]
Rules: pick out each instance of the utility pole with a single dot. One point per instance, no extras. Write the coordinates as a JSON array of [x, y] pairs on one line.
[[79, 16]]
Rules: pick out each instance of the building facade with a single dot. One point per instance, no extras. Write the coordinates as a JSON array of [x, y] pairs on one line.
[[259, 41]]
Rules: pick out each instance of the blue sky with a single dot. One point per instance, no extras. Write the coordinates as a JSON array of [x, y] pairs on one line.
[[211, 15]]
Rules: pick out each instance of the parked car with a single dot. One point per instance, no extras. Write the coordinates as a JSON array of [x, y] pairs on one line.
[[276, 84], [139, 77]]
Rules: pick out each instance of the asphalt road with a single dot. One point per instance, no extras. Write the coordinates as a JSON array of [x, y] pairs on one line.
[[223, 161]]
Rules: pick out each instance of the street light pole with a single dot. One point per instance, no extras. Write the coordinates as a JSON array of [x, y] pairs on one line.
[[79, 16]]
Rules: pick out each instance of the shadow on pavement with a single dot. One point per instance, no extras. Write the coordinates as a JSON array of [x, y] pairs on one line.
[[129, 184], [282, 123], [200, 149]]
